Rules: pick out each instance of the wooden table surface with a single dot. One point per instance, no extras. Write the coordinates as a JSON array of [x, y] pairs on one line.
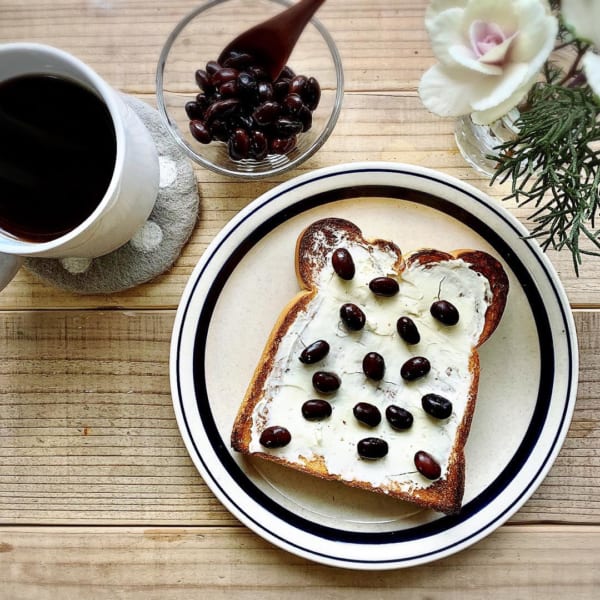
[[98, 497]]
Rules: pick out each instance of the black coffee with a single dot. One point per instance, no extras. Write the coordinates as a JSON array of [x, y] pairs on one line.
[[57, 155]]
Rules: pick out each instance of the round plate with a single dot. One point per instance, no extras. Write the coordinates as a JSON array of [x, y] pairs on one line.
[[246, 277]]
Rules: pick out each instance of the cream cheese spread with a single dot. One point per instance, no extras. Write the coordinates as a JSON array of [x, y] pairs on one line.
[[448, 348]]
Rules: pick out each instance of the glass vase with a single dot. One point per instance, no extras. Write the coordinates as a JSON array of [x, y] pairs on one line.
[[477, 142]]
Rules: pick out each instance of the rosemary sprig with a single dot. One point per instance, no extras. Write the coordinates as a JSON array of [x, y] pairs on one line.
[[554, 163]]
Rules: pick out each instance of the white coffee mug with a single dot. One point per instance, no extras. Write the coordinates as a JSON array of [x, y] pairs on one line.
[[132, 191]]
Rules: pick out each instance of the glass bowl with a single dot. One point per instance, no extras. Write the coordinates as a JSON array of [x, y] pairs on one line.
[[200, 37]]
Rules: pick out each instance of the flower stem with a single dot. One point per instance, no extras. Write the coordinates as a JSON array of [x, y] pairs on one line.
[[573, 71]]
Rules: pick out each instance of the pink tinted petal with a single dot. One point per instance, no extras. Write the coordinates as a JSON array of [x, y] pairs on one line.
[[497, 55], [489, 42], [485, 36], [463, 56]]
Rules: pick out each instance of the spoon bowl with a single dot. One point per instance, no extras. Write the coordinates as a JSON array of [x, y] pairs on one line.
[[272, 41]]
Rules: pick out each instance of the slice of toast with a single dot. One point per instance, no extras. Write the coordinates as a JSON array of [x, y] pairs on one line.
[[413, 451]]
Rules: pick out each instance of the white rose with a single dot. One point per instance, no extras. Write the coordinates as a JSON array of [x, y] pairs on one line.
[[583, 18], [490, 54]]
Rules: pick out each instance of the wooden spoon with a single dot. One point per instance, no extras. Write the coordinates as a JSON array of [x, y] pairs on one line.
[[272, 41]]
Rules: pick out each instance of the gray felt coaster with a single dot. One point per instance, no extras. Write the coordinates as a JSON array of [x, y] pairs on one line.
[[155, 246]]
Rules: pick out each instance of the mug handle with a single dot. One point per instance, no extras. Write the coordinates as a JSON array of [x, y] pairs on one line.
[[9, 265]]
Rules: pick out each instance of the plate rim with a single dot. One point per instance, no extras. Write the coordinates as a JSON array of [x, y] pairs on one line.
[[370, 169]]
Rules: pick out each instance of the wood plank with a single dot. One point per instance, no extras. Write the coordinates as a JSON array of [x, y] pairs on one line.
[[97, 563], [88, 434]]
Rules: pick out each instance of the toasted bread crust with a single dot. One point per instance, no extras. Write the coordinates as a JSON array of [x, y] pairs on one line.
[[316, 241], [240, 436], [313, 248]]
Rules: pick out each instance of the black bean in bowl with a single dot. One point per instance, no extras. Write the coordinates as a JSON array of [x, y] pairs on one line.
[[240, 105]]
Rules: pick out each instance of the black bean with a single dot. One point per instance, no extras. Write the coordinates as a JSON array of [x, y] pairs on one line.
[[311, 94], [305, 117], [367, 413], [266, 113], [415, 367], [275, 437], [372, 448], [343, 263], [281, 88], [292, 104], [279, 145], [408, 330], [194, 110], [238, 60], [353, 316], [297, 84], [219, 130], [242, 120], [212, 66], [259, 73], [314, 352], [265, 91], [247, 88], [259, 145], [373, 366], [445, 312], [315, 410], [200, 132], [203, 100], [427, 465], [239, 145], [384, 286], [326, 382], [221, 109], [286, 73], [203, 80], [286, 127], [222, 75], [229, 89], [437, 406], [399, 418]]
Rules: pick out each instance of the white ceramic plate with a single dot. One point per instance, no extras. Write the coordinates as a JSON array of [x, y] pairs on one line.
[[528, 368]]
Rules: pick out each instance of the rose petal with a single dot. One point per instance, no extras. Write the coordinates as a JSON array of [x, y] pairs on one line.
[[497, 54], [583, 17], [591, 67], [440, 93], [500, 12], [450, 92], [538, 30], [464, 57], [445, 32], [513, 78], [484, 36], [438, 6], [485, 117]]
